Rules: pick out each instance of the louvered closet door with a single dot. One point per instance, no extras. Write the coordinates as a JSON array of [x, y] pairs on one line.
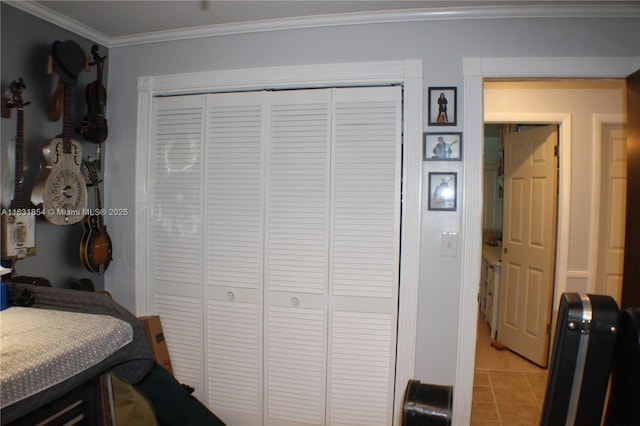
[[234, 252], [364, 256], [175, 230], [296, 261], [274, 236]]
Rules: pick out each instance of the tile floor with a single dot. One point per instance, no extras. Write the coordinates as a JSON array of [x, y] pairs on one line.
[[508, 389]]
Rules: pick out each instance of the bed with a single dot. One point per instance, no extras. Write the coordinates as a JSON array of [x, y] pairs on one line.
[[55, 352]]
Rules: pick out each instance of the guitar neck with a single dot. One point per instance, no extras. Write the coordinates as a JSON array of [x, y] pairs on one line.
[[67, 121], [99, 205], [18, 201]]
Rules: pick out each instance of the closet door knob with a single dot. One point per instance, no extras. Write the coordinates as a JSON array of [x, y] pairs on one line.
[[295, 301], [230, 296]]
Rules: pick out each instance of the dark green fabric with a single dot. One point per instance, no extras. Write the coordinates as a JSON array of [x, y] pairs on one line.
[[131, 406], [172, 403]]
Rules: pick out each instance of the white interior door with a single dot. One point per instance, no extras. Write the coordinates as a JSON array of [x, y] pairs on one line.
[[529, 239], [613, 199]]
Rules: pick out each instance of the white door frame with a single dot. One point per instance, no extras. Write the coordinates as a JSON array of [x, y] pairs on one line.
[[407, 73], [475, 71]]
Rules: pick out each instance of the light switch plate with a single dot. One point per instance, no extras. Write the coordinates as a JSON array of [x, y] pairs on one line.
[[449, 244]]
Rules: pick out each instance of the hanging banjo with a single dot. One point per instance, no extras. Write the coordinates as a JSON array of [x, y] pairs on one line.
[[19, 224], [61, 188]]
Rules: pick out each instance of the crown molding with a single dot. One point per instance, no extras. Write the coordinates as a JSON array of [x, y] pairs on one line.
[[60, 20], [582, 10]]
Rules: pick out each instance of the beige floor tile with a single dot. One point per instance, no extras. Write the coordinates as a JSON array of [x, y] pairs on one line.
[[517, 385], [538, 382], [511, 414], [481, 378], [515, 396], [508, 379], [484, 411], [482, 394], [484, 423]]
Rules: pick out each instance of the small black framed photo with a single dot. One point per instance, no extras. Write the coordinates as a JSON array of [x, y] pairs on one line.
[[443, 106], [443, 191], [442, 146]]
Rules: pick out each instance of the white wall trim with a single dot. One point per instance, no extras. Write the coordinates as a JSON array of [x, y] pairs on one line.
[[141, 238], [408, 73], [357, 18], [475, 71], [583, 275]]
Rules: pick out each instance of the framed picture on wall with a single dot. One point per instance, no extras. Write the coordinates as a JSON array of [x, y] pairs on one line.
[[443, 194], [442, 146], [443, 106]]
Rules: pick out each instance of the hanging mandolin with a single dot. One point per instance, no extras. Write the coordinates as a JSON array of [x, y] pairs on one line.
[[95, 247]]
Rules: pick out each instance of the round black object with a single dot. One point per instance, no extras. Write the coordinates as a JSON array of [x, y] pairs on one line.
[[68, 60], [427, 405]]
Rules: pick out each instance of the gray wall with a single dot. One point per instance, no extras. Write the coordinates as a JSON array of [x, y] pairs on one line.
[[26, 45], [441, 45]]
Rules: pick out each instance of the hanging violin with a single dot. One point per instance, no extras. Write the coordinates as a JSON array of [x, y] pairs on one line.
[[94, 126]]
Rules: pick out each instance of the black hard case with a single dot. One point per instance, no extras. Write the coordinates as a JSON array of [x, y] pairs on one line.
[[581, 360], [624, 398]]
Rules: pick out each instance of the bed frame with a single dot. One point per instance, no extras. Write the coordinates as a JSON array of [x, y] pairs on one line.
[[86, 398]]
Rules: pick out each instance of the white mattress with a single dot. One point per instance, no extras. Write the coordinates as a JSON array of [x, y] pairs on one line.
[[40, 348]]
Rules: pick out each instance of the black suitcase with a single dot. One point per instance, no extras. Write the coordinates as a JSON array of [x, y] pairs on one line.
[[581, 360], [624, 398]]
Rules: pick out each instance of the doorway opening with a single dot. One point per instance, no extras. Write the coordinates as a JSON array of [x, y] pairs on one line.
[[505, 375], [578, 178]]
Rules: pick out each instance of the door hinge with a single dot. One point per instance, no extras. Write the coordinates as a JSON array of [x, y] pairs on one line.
[[556, 151]]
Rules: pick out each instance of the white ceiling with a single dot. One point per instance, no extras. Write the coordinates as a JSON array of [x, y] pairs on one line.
[[125, 18], [113, 22]]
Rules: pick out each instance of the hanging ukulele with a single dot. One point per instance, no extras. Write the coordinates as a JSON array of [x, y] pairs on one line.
[[60, 187], [95, 247], [94, 126], [19, 222]]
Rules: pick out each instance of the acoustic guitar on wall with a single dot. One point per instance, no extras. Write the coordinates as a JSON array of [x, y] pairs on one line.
[[19, 220], [60, 188]]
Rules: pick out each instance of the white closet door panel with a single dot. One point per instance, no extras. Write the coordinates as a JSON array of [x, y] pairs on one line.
[[364, 256], [361, 380], [298, 191], [234, 213], [295, 363], [366, 192], [175, 195], [234, 359], [182, 328], [234, 255]]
